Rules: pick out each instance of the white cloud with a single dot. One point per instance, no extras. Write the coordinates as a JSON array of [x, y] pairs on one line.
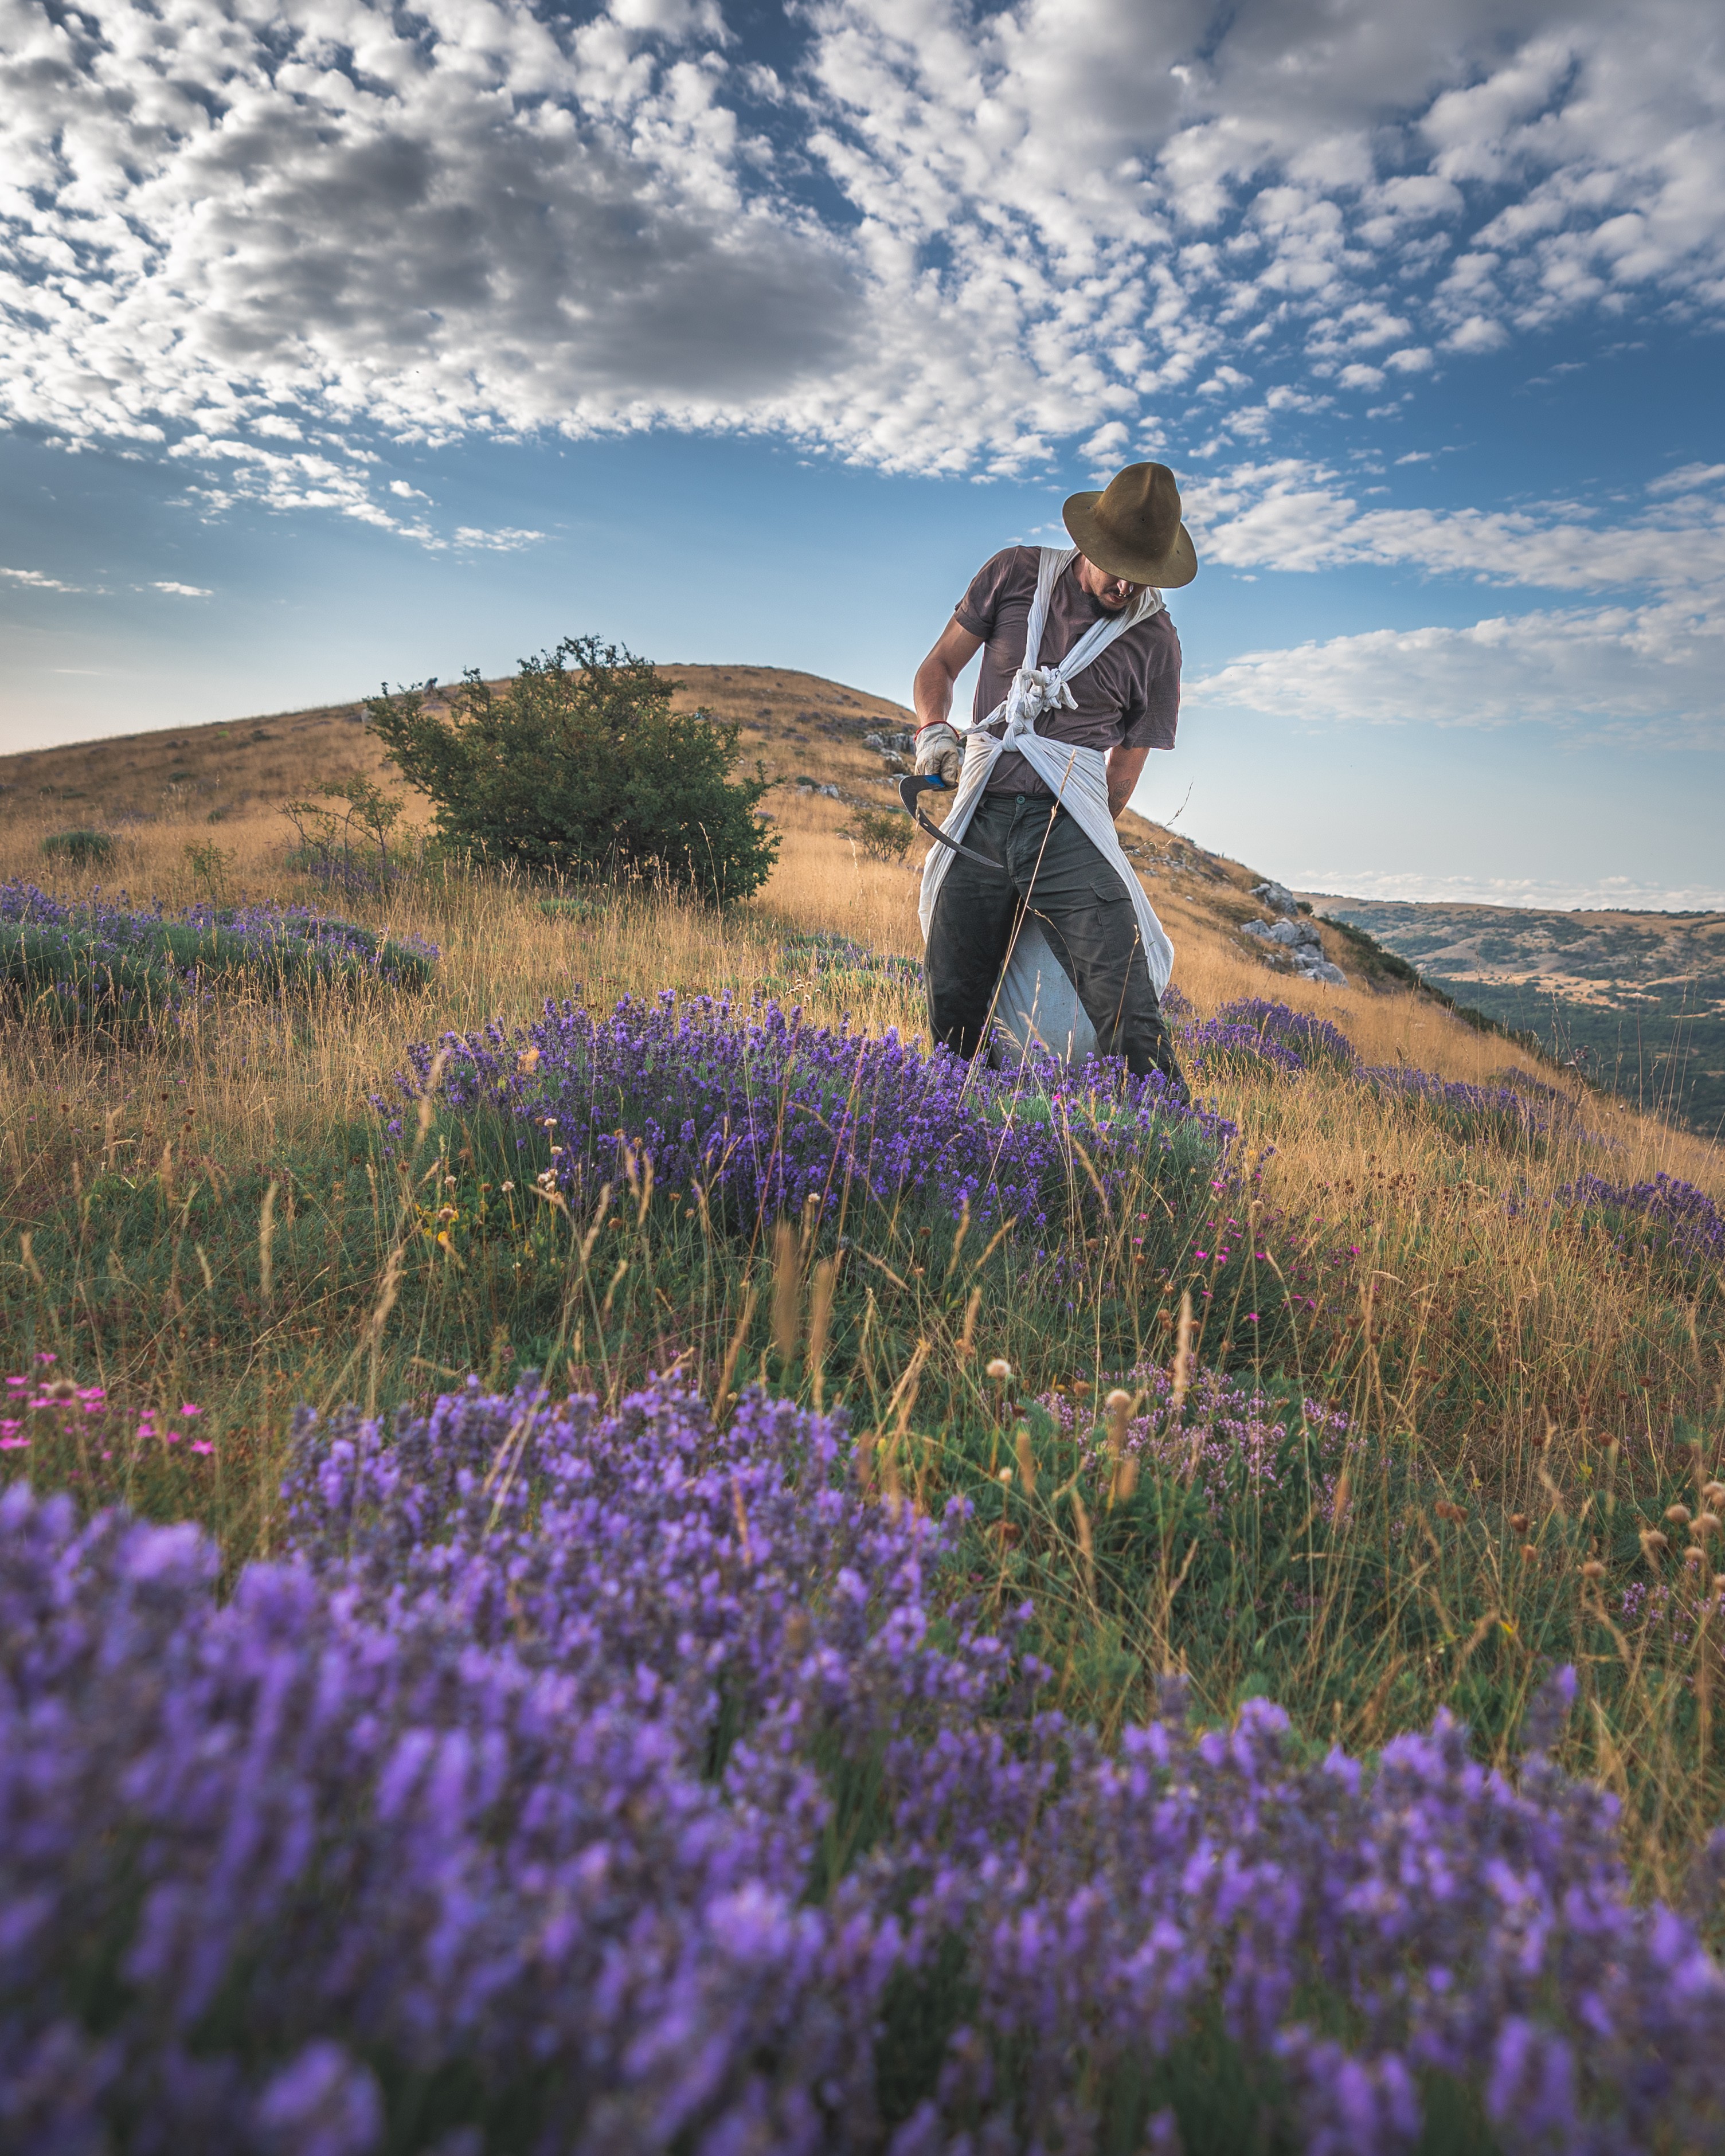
[[1477, 333], [1640, 658], [33, 580], [1290, 515], [1687, 478], [183, 591], [504, 541], [943, 237], [1648, 674]]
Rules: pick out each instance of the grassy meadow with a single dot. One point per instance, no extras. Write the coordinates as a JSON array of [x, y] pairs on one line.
[[1487, 1397]]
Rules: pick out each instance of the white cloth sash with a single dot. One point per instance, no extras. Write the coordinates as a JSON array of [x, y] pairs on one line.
[[1037, 1003]]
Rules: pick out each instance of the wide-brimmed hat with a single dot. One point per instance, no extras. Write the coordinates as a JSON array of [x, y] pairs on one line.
[[1132, 528]]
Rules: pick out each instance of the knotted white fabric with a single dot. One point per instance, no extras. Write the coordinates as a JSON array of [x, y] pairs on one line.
[[1038, 1002]]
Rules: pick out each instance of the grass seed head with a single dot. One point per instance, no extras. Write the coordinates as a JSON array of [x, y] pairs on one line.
[[1027, 1461]]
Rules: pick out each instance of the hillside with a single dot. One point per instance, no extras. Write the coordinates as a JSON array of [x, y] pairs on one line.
[[223, 785], [1637, 1000], [1634, 1002]]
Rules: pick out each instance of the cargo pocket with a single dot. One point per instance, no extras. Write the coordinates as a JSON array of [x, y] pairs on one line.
[[1118, 939]]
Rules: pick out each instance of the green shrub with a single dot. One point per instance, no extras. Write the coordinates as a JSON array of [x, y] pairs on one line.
[[82, 849], [348, 847], [883, 835], [581, 768], [68, 973]]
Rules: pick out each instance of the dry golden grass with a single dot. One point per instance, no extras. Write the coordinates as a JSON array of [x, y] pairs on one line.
[[1467, 1318]]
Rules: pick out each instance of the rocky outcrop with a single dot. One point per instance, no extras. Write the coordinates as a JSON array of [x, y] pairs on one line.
[[893, 750], [1301, 943]]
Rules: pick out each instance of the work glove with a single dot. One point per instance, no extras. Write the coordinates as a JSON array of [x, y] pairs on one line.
[[939, 754]]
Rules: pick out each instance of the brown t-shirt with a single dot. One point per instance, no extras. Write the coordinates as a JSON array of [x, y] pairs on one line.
[[1128, 697]]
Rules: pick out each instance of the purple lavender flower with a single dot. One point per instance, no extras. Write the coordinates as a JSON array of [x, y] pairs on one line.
[[1314, 1041], [321, 2103], [1666, 1213], [1217, 1042], [1501, 1114], [767, 1114], [1224, 1429], [106, 958], [616, 1777]]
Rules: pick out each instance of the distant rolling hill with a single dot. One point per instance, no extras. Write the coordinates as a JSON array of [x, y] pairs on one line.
[[1640, 996]]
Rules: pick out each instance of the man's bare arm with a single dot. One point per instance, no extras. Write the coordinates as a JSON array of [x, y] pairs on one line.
[[932, 692], [1124, 766]]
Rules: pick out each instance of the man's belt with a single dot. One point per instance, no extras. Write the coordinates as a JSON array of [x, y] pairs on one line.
[[914, 784]]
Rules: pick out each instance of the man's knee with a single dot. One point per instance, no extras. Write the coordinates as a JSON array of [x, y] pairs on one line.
[[1121, 998]]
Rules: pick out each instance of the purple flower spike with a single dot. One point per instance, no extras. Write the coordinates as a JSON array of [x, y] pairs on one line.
[[323, 2104], [642, 1785], [767, 1114]]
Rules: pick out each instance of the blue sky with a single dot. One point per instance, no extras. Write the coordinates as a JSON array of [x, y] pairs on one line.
[[343, 344]]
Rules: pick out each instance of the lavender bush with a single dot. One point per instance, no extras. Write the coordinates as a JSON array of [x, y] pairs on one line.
[[838, 961], [1666, 1216], [766, 1113], [1314, 1041], [106, 957], [1255, 1035], [615, 1783], [21, 899], [1218, 1042], [1223, 1434], [1501, 1113]]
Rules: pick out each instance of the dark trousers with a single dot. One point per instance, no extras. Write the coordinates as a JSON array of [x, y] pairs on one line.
[[1048, 869]]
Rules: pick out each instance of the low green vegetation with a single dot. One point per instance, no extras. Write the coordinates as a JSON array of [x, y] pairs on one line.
[[111, 965], [80, 849], [884, 834]]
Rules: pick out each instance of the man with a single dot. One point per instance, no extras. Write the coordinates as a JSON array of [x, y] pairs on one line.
[[1101, 691]]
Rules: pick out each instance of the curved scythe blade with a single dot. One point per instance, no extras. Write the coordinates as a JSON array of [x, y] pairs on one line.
[[915, 783]]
